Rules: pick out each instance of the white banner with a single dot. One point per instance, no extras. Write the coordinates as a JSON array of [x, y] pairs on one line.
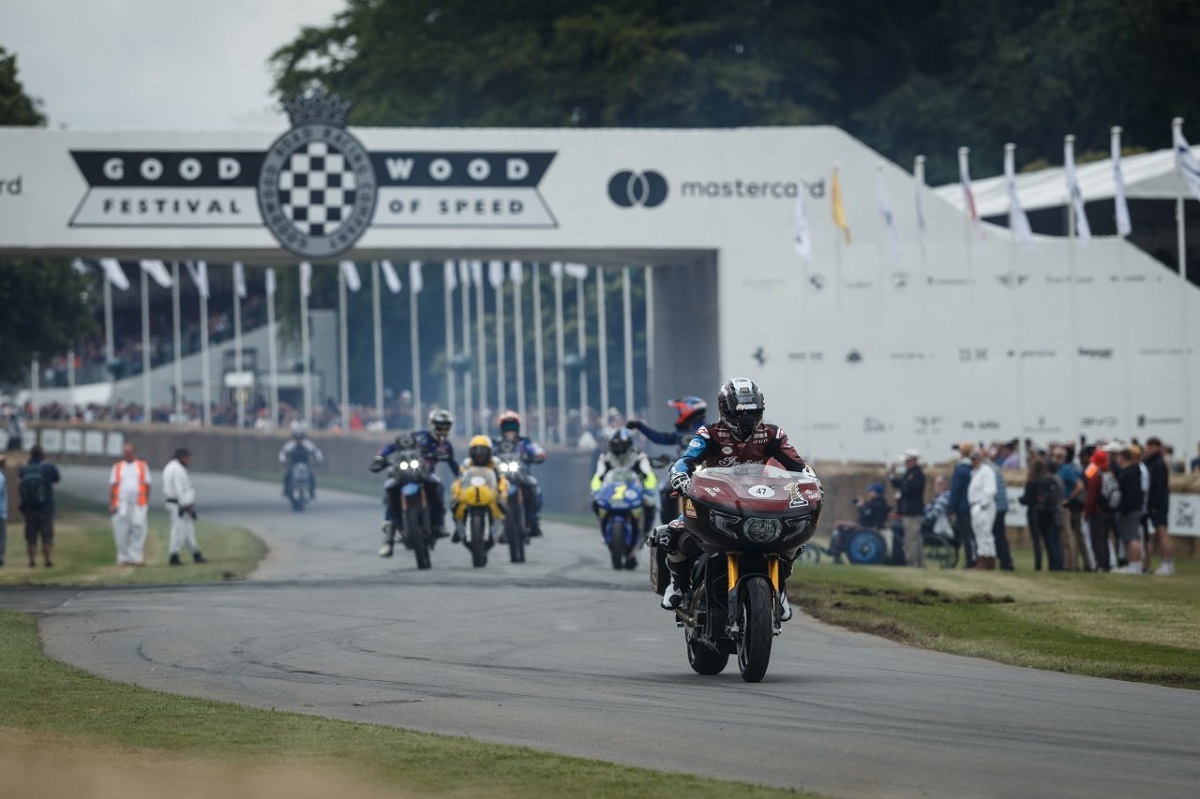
[[353, 282], [1183, 517], [415, 281], [390, 277], [158, 271], [239, 279]]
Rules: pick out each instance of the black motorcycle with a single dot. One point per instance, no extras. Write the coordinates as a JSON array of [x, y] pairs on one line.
[[408, 507], [743, 518]]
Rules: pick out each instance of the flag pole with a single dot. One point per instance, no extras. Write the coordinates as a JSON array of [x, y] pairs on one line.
[[538, 347], [145, 347], [581, 336], [71, 371], [1072, 234], [344, 351], [35, 368], [414, 336], [239, 282], [448, 315], [377, 331], [205, 373], [519, 332], [1010, 151], [648, 278], [481, 343], [560, 350], [1127, 398], [627, 323], [1181, 248], [464, 278], [305, 345], [602, 341], [108, 341], [178, 365], [501, 382], [882, 360], [919, 177], [272, 352]]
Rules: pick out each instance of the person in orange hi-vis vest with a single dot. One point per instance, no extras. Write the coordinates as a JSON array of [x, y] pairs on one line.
[[130, 500]]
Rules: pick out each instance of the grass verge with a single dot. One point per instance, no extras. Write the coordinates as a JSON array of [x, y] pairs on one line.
[[1126, 627], [62, 706], [85, 553]]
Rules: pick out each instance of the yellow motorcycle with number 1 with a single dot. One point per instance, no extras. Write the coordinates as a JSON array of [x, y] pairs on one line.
[[476, 499]]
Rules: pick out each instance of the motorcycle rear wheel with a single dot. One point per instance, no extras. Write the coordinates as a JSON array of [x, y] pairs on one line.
[[758, 629], [478, 538]]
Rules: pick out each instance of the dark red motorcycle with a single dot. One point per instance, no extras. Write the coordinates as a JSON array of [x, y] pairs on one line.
[[743, 518]]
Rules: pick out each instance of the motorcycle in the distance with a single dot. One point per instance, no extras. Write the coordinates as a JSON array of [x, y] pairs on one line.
[[515, 533], [408, 507], [300, 492], [743, 517], [620, 501], [477, 492]]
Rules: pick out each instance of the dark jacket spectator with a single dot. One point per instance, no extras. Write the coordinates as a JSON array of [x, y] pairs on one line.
[[960, 478], [1159, 493], [911, 485], [1129, 479]]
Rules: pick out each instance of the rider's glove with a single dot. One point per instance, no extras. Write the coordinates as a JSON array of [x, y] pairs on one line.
[[632, 424], [680, 481], [379, 463]]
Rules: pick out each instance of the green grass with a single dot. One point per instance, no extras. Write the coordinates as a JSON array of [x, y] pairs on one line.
[[85, 553], [1139, 628], [43, 698]]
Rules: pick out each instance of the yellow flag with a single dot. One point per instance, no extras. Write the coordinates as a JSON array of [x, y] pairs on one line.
[[839, 210]]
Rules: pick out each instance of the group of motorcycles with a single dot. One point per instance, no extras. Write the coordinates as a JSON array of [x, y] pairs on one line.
[[411, 524]]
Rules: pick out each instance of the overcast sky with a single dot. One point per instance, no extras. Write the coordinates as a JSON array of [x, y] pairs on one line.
[[154, 64]]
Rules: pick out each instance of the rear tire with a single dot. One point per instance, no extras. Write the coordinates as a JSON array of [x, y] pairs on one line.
[[417, 529], [758, 629], [478, 534], [514, 529]]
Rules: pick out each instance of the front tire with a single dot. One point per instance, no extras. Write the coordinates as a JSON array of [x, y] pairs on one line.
[[757, 615], [514, 529], [616, 540], [417, 530], [478, 538]]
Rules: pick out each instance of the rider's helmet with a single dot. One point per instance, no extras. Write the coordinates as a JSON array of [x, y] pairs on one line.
[[297, 430], [691, 410], [620, 442], [480, 451], [741, 406], [440, 422], [509, 422]]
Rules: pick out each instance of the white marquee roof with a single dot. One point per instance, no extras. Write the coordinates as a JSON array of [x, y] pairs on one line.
[[1149, 176]]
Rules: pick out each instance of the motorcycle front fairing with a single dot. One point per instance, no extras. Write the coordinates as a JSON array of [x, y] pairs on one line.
[[751, 508]]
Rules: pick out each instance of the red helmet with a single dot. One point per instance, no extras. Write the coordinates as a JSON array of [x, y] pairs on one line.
[[509, 421], [690, 409]]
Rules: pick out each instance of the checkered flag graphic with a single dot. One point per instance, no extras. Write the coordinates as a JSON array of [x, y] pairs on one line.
[[317, 189]]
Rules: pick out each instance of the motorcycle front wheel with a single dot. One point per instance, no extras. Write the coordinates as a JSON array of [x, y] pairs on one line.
[[478, 537], [616, 539], [417, 530], [514, 529], [758, 629]]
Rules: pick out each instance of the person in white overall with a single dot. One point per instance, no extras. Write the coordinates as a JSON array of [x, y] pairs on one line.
[[130, 486], [181, 507]]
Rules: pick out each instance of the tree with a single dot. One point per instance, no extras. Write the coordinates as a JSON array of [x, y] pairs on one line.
[[905, 77], [47, 305]]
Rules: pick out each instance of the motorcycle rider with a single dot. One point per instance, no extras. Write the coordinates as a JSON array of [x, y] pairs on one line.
[[511, 442], [739, 436], [691, 412], [622, 454], [299, 449], [434, 447], [479, 453]]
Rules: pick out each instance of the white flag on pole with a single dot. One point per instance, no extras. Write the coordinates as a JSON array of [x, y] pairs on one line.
[[1185, 163], [415, 281], [1018, 222], [964, 175], [464, 273], [1083, 230], [1124, 225], [556, 269], [199, 273], [158, 271], [496, 274], [113, 273], [889, 217], [515, 275], [450, 276], [390, 277], [271, 281], [305, 279], [577, 271], [79, 266], [919, 185], [477, 274], [803, 231], [239, 279], [353, 282]]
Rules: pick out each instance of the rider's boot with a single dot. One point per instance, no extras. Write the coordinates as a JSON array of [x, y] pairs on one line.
[[458, 536], [680, 582], [386, 550], [785, 607]]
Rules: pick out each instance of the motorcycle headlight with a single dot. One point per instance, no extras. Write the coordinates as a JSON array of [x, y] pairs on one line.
[[724, 523], [763, 531]]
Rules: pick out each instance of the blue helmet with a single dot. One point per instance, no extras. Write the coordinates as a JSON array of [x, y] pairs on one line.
[[690, 409]]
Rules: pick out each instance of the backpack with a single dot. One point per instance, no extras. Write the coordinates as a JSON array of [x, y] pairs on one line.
[[33, 490], [1047, 496], [1110, 490]]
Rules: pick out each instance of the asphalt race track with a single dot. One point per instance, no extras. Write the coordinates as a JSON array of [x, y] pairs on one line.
[[563, 654]]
